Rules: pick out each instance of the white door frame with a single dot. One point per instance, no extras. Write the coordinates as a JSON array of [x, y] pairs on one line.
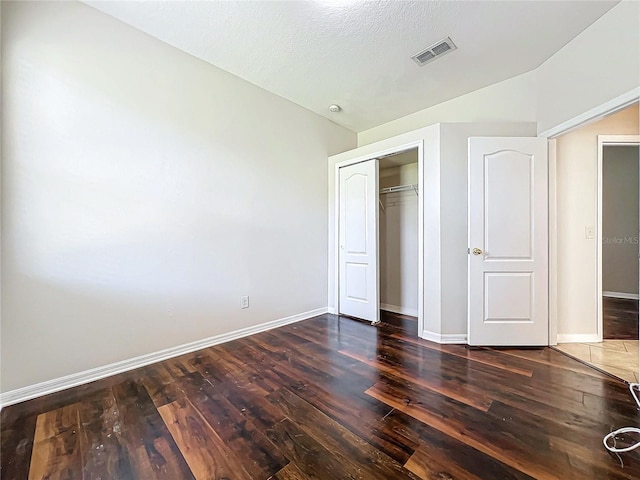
[[604, 140], [370, 156], [612, 106]]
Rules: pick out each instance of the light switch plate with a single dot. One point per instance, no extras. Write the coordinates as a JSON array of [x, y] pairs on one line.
[[588, 232]]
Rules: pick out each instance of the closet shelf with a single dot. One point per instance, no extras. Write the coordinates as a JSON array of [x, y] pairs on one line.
[[399, 188]]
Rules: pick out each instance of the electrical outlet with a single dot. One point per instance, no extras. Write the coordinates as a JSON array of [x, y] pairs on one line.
[[244, 302]]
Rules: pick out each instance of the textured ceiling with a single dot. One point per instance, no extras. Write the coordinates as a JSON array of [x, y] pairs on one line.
[[357, 54]]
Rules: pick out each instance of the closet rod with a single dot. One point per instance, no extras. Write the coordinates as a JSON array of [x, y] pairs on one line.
[[400, 188]]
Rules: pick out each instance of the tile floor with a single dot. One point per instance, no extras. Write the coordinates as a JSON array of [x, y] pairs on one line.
[[618, 357]]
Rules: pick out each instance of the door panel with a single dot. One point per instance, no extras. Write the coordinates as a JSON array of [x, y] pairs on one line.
[[358, 230], [355, 212], [508, 240], [507, 212], [356, 281], [508, 297]]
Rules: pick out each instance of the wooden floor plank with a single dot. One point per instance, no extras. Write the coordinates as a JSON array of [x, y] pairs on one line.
[[462, 392], [152, 452], [205, 452], [160, 384], [344, 401], [478, 356], [259, 456], [252, 405], [594, 457], [309, 456], [102, 454], [56, 445], [620, 318], [522, 451], [290, 472], [518, 443], [357, 456], [440, 456], [16, 446]]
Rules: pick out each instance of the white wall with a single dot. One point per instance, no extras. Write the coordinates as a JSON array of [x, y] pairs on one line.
[[399, 239], [143, 192], [512, 100], [620, 219], [576, 182], [598, 65]]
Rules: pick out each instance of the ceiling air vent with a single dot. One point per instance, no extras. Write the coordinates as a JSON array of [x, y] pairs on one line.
[[436, 50]]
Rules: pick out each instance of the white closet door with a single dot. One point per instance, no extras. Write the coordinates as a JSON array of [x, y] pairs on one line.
[[358, 228]]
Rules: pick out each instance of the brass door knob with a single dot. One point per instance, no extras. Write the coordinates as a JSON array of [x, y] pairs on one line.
[[477, 251]]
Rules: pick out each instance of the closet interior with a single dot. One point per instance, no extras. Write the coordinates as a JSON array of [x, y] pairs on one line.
[[398, 233]]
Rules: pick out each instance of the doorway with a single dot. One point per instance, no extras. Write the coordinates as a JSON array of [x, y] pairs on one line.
[[398, 239], [619, 261], [381, 219], [597, 243]]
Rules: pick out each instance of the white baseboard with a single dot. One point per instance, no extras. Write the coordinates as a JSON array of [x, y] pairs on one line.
[[578, 338], [400, 310], [457, 338], [332, 310], [628, 296], [80, 378]]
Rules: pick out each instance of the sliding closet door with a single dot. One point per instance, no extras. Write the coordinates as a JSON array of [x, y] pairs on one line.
[[358, 230]]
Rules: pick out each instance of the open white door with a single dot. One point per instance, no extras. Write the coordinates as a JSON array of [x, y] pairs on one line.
[[358, 230], [508, 242]]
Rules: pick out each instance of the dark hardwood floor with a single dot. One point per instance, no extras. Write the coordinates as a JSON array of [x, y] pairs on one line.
[[620, 318], [330, 398]]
